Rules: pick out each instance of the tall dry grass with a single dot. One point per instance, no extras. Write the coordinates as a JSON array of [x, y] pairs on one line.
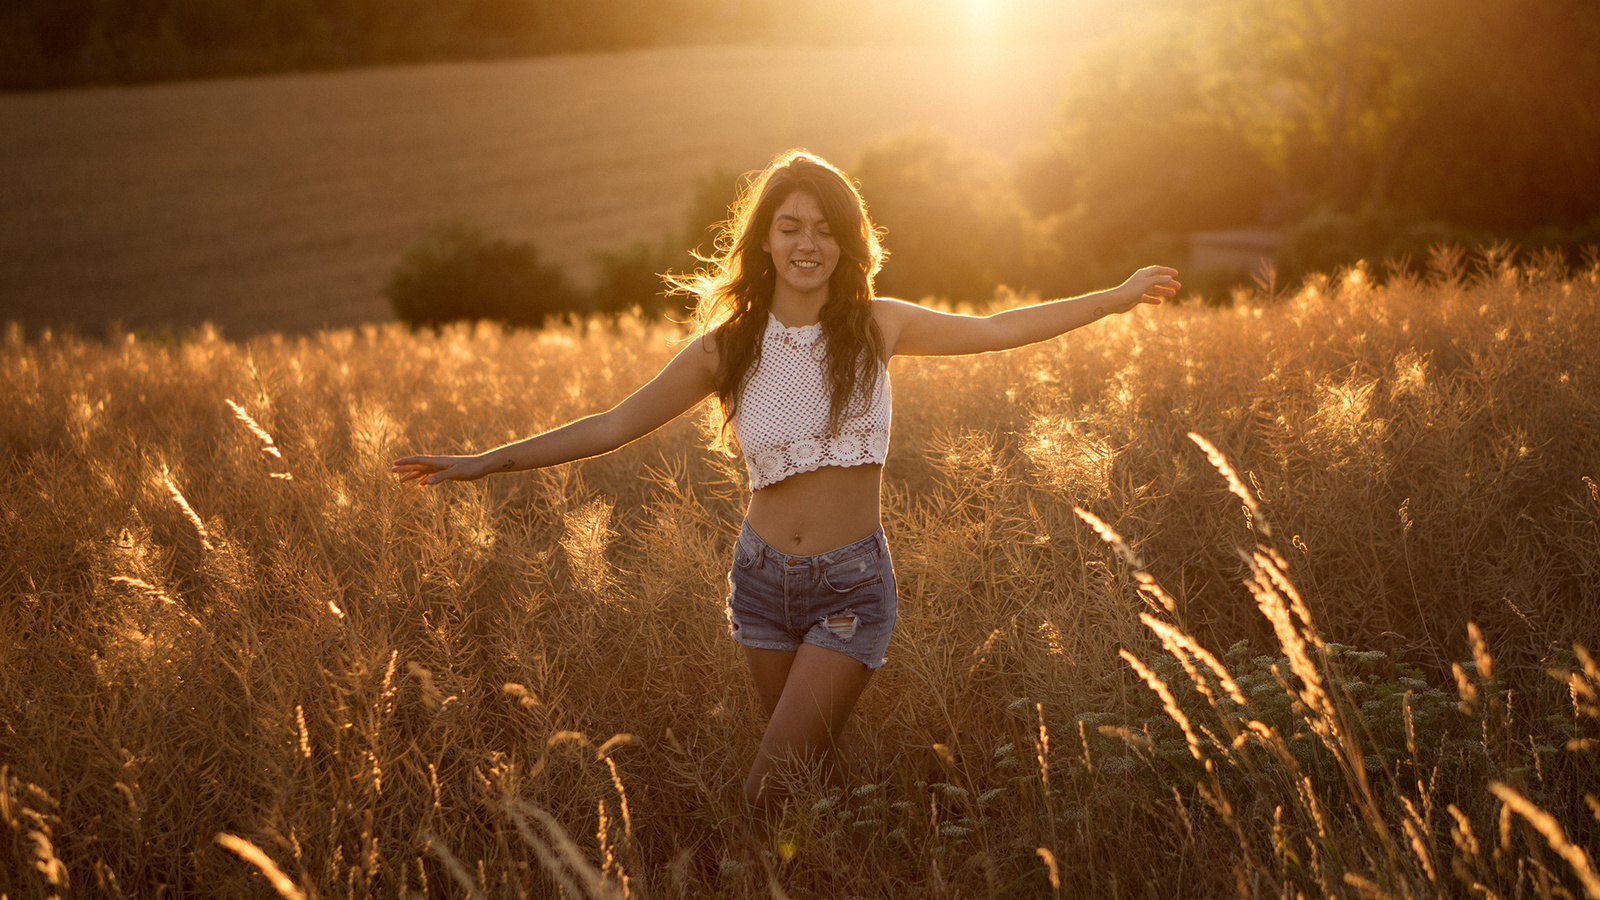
[[236, 660]]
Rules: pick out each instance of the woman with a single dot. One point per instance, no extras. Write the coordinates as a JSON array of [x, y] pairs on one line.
[[793, 344]]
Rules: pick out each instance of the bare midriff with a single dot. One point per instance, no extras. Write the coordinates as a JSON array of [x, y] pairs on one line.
[[817, 511]]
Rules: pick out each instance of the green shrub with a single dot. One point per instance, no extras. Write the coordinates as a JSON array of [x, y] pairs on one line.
[[456, 272], [630, 278]]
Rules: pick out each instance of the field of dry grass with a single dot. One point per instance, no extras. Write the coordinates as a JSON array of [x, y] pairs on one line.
[[230, 645], [284, 203]]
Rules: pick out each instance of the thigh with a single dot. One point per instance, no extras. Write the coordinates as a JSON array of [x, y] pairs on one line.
[[769, 669], [817, 699]]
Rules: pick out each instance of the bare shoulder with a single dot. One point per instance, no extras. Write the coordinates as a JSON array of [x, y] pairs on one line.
[[891, 316], [699, 352], [696, 359]]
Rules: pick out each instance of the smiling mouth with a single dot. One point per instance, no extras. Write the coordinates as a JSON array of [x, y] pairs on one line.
[[806, 263]]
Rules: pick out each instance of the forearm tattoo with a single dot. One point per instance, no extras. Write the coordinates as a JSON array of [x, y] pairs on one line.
[[1099, 312]]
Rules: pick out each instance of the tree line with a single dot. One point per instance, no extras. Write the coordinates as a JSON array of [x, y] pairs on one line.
[[1357, 129], [53, 43]]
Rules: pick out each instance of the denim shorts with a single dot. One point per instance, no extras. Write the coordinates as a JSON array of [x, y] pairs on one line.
[[843, 599]]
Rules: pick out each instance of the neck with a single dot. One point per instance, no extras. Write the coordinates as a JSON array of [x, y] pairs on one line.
[[795, 309]]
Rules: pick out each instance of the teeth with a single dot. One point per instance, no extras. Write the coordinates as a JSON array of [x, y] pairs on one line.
[[806, 263]]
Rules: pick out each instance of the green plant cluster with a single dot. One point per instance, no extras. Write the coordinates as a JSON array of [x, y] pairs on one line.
[[456, 273], [1374, 691]]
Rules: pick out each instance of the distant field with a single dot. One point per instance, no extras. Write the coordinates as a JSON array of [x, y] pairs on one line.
[[285, 202]]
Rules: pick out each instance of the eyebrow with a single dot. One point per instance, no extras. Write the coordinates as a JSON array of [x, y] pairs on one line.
[[823, 220]]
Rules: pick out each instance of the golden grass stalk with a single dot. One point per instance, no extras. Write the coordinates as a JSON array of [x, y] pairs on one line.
[[1050, 866], [560, 855], [1277, 569], [1235, 484], [188, 511], [1168, 701], [622, 799], [268, 446], [300, 728], [149, 590], [1480, 652], [156, 593], [1308, 796], [1052, 639], [1554, 834], [1465, 689], [1416, 829], [45, 860], [1185, 649], [1110, 536], [458, 872], [1271, 603], [1461, 832], [1584, 687], [1140, 743], [1149, 588], [253, 855], [519, 692], [1041, 749], [1367, 887]]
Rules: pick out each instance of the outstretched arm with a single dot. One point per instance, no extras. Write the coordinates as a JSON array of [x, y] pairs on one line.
[[913, 330], [685, 381]]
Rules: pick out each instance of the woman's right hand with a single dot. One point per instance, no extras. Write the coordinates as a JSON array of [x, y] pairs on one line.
[[438, 469]]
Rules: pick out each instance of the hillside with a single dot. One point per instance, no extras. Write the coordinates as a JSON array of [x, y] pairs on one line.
[[284, 202]]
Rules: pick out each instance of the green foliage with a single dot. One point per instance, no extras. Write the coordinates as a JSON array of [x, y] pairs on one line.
[[1417, 121], [458, 273], [1326, 240], [630, 278], [712, 200], [1373, 689], [954, 224], [1141, 149]]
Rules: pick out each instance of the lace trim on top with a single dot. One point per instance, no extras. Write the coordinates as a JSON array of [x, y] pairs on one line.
[[782, 417]]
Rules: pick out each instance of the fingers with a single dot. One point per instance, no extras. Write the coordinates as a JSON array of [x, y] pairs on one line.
[[418, 469], [1162, 282], [1167, 288]]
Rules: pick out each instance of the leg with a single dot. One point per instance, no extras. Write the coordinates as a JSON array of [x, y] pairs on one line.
[[769, 669], [818, 694]]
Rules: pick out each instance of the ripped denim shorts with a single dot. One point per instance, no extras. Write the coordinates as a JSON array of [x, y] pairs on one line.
[[843, 599]]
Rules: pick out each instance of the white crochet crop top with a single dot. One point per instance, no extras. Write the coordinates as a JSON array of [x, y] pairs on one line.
[[781, 420]]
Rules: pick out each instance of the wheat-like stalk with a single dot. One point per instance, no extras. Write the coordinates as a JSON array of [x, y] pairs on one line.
[[253, 855], [1235, 484], [1547, 825], [187, 510]]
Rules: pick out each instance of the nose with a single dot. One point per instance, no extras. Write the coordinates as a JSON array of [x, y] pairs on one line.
[[808, 238]]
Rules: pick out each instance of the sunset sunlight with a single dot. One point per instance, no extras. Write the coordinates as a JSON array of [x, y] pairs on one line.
[[719, 450]]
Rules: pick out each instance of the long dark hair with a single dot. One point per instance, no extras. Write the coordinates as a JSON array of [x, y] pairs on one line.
[[735, 286]]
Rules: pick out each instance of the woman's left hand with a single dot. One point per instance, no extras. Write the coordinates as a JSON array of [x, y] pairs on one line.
[[1152, 284]]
